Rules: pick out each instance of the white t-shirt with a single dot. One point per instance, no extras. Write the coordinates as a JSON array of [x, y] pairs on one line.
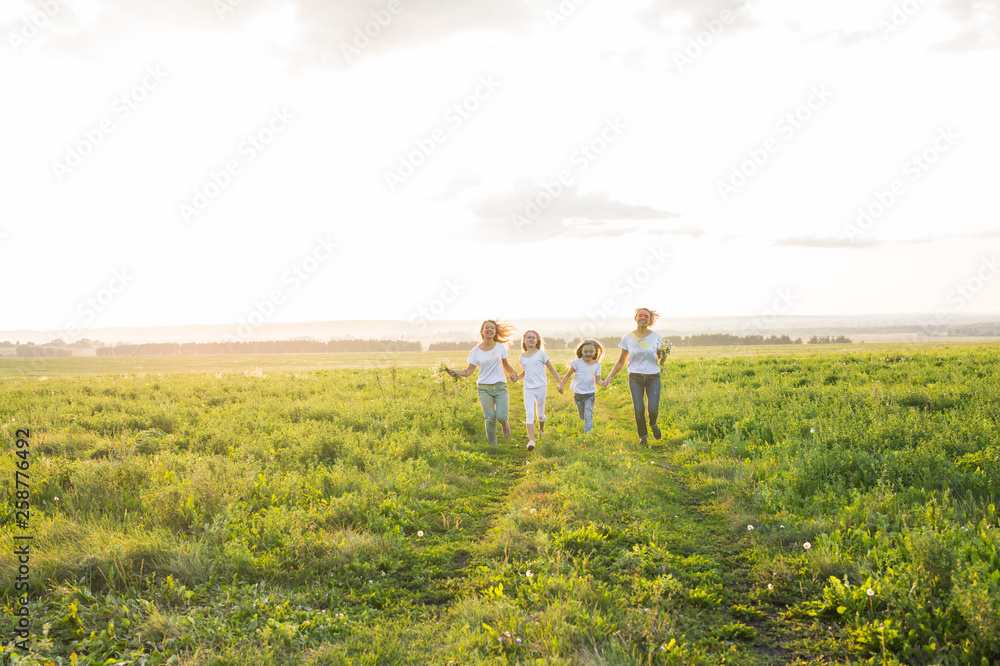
[[584, 376], [534, 369], [490, 364], [642, 352]]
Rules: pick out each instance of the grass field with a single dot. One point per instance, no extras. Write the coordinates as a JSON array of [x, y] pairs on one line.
[[814, 504]]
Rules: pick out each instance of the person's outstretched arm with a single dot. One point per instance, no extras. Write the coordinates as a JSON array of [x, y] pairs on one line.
[[562, 382], [619, 364], [552, 370], [463, 373]]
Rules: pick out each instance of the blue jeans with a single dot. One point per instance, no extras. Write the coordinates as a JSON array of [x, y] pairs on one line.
[[644, 386], [494, 400], [585, 406]]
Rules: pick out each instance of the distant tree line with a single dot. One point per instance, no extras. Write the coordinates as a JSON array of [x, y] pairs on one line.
[[699, 340], [58, 348], [451, 346], [727, 340], [31, 350], [260, 347], [983, 330], [550, 343]]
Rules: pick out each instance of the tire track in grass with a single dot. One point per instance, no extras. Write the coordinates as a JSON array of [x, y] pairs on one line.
[[467, 520], [493, 500], [516, 461], [711, 528], [439, 561], [698, 546]]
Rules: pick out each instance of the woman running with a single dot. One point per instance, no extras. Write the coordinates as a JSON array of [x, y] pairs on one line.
[[642, 349]]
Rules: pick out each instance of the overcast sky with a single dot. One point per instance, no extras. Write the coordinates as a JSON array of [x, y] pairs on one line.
[[227, 161]]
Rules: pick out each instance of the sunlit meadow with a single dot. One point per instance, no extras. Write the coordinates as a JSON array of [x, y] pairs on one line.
[[836, 506]]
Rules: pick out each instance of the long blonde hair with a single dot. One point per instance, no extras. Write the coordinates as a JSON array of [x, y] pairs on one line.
[[504, 331]]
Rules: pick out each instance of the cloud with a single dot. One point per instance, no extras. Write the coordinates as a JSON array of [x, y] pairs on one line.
[[980, 25], [332, 33], [969, 25], [972, 24], [684, 17], [968, 40], [828, 242], [529, 212], [961, 235], [326, 31], [841, 242]]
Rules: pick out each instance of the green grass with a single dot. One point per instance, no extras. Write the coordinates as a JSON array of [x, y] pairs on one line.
[[310, 509], [225, 363]]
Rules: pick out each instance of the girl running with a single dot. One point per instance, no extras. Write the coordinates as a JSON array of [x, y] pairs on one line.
[[490, 356], [587, 366], [534, 362]]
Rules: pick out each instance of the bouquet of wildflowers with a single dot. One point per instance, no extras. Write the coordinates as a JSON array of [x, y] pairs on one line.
[[664, 350], [445, 370]]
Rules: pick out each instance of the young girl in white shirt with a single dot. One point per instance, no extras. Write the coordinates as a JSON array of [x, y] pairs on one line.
[[534, 362], [587, 367], [490, 356]]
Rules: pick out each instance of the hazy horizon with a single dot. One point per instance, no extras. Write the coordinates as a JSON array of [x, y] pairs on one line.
[[907, 326]]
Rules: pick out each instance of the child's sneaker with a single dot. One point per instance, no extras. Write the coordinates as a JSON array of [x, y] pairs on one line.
[[531, 445], [541, 427], [656, 431], [642, 441], [506, 430]]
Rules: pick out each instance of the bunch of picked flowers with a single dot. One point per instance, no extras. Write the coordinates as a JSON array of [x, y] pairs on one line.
[[664, 350], [443, 370]]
